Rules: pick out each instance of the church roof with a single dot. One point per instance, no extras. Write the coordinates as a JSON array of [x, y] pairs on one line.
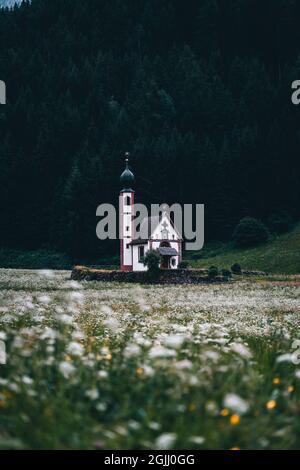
[[167, 251], [127, 177], [139, 241]]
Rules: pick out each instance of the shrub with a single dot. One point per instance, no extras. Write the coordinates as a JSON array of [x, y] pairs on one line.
[[226, 273], [152, 260], [213, 272], [236, 268], [250, 232], [183, 265], [280, 222]]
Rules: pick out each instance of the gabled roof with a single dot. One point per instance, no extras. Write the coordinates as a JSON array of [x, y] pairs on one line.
[[148, 226], [167, 251], [139, 241]]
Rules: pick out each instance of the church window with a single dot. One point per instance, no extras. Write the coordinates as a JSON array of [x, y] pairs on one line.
[[127, 201], [141, 253]]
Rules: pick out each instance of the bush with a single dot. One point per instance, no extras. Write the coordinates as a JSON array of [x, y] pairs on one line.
[[280, 222], [152, 260], [183, 265], [236, 268], [226, 273], [250, 232], [213, 272]]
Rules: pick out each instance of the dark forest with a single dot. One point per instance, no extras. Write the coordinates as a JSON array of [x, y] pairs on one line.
[[199, 92]]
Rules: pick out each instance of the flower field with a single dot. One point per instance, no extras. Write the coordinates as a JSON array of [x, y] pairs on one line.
[[115, 366]]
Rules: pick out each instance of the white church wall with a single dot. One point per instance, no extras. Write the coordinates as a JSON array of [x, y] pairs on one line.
[[127, 258], [173, 244], [137, 265], [126, 217]]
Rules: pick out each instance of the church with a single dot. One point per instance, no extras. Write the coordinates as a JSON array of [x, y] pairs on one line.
[[162, 235]]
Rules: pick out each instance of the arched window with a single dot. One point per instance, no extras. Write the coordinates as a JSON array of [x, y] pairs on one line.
[[165, 244], [127, 201]]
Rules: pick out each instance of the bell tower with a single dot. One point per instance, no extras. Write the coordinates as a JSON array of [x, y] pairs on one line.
[[126, 211]]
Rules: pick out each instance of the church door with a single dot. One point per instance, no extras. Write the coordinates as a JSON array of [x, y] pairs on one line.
[[165, 262]]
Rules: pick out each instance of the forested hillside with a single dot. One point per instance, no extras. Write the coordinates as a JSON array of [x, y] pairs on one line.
[[198, 91]]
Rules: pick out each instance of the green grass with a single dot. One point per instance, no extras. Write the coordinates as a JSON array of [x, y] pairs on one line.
[[280, 255]]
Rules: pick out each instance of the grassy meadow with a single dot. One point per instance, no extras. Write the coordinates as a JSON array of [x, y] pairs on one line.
[[95, 365]]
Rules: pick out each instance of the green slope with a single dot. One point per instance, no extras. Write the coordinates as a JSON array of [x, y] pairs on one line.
[[281, 255]]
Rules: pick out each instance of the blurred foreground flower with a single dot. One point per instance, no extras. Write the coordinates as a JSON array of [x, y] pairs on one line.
[[165, 441], [270, 405], [66, 369], [235, 403]]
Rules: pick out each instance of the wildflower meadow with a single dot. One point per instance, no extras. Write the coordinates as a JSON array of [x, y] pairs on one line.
[[114, 366]]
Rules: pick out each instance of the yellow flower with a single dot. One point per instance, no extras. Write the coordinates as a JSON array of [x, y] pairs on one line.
[[235, 420], [108, 357], [291, 389], [235, 448], [89, 346], [192, 407], [48, 412], [139, 371], [270, 405], [224, 412], [7, 394], [276, 381]]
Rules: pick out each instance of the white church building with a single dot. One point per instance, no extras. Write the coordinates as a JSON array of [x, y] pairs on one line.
[[162, 235]]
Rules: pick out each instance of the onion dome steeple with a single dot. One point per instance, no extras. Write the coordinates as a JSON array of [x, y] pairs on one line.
[[127, 177]]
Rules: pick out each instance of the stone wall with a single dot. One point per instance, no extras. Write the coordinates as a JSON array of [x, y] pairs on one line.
[[174, 276]]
